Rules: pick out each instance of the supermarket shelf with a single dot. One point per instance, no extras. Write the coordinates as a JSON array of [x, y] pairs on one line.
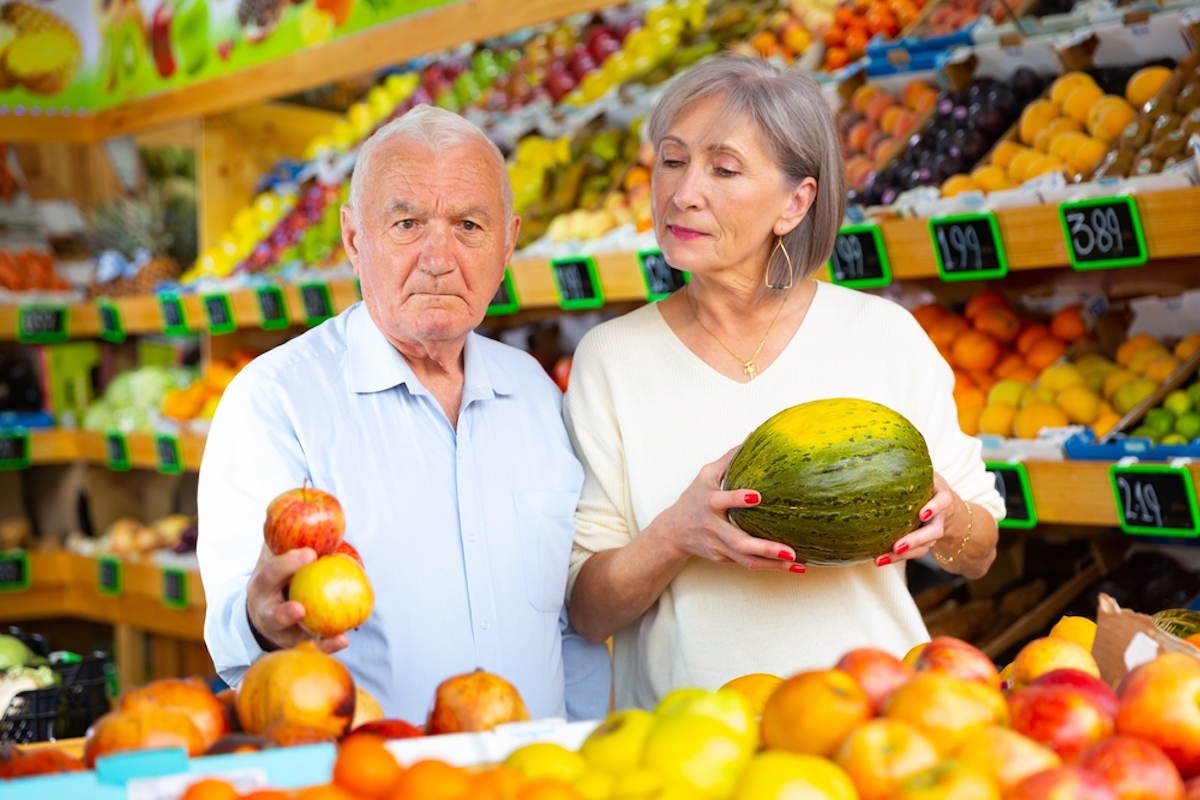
[[365, 52], [63, 447]]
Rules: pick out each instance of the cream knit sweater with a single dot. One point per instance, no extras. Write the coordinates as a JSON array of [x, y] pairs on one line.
[[645, 414]]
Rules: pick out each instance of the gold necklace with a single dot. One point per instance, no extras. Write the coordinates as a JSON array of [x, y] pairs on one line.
[[748, 366]]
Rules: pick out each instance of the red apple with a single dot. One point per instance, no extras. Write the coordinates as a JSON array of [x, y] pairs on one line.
[[347, 549], [877, 672], [1134, 769], [958, 659], [562, 369], [305, 517], [1059, 717], [1160, 702], [389, 729], [1064, 783], [1193, 789], [160, 39], [1084, 683]]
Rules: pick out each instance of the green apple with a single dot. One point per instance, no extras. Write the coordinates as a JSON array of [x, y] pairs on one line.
[[698, 753], [729, 708], [1159, 420], [668, 704], [189, 31], [616, 746], [1194, 393], [1188, 425], [1178, 402], [1145, 432], [1173, 438]]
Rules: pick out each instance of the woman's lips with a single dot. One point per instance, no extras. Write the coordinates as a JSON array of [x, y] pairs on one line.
[[686, 234]]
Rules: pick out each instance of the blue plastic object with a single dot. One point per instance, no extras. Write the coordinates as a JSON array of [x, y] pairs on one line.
[[1084, 448]]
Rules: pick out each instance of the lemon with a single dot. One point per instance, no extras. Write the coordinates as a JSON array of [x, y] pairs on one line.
[[1080, 630]]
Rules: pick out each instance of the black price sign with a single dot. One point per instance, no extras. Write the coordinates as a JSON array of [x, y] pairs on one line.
[[175, 588], [1012, 482], [14, 449], [859, 259], [43, 324], [505, 301], [220, 313], [109, 580], [1103, 233], [1155, 500], [174, 318], [317, 305], [661, 278], [112, 328], [968, 247], [273, 307], [116, 451], [168, 454], [577, 282], [14, 571]]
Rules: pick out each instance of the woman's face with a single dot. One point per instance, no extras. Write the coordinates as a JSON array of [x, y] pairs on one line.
[[718, 204]]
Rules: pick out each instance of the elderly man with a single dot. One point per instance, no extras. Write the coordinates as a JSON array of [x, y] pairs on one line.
[[445, 448]]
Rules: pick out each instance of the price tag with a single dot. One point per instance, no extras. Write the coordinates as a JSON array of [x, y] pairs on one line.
[[109, 578], [661, 278], [174, 318], [317, 305], [505, 300], [358, 287], [273, 306], [577, 282], [1103, 233], [116, 451], [859, 260], [1155, 500], [220, 313], [43, 324], [14, 571], [968, 247], [175, 588], [169, 454], [1012, 482], [14, 449], [112, 328]]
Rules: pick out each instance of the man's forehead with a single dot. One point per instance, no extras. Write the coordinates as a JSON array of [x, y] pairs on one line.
[[404, 172]]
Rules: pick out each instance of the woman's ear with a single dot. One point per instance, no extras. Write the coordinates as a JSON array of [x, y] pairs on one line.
[[799, 202]]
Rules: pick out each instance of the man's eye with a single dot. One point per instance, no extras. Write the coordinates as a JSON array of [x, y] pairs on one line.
[[407, 224], [469, 225]]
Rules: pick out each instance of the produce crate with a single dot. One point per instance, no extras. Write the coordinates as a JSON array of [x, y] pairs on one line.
[[59, 712]]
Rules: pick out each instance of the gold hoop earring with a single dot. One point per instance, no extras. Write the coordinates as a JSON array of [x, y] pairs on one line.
[[791, 271]]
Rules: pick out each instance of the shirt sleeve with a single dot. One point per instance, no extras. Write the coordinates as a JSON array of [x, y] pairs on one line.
[[587, 674], [251, 456], [603, 519]]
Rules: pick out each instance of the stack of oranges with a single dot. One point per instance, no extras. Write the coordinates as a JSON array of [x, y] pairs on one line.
[[991, 342], [857, 22]]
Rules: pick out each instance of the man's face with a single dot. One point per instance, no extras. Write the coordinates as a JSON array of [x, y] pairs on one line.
[[430, 240]]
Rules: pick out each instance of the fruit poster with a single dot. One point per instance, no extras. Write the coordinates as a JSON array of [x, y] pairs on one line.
[[66, 57]]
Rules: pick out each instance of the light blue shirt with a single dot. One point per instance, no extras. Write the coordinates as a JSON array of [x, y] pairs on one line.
[[465, 534]]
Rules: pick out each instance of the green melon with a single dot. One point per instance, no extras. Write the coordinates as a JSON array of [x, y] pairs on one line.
[[1181, 622], [841, 480]]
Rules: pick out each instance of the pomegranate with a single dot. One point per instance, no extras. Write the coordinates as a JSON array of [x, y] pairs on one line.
[[302, 686], [189, 696], [475, 701], [116, 732]]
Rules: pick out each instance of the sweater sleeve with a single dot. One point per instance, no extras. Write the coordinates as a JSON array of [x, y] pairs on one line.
[[603, 518]]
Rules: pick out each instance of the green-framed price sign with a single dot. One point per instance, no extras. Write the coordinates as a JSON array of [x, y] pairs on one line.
[[505, 300], [578, 283], [112, 325], [1103, 233], [661, 278], [14, 571], [168, 454], [968, 247], [272, 307], [14, 449], [1155, 500], [1012, 482], [859, 259], [110, 577], [43, 324], [173, 315], [116, 451], [220, 313], [175, 588], [318, 306]]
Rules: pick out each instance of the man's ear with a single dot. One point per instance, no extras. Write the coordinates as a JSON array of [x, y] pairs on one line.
[[511, 241], [350, 235]]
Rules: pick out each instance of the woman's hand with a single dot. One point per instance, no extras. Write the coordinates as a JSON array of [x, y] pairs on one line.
[[938, 516], [698, 525]]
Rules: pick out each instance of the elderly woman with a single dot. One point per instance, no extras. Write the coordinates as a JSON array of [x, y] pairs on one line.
[[748, 194]]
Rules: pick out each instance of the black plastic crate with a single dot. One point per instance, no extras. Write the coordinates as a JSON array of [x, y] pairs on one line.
[[59, 712]]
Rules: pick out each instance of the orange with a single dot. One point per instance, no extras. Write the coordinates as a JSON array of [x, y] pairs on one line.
[[1027, 338], [984, 380], [1146, 356], [432, 780], [997, 419], [976, 351], [1145, 84], [982, 302], [1008, 365], [1002, 324], [268, 794], [548, 789], [1115, 380], [1045, 352], [325, 792], [500, 783], [1068, 83], [970, 397], [1130, 347], [928, 314], [1105, 423], [968, 420], [962, 380], [756, 688], [210, 789], [366, 767], [1162, 368], [1026, 375], [1004, 153], [836, 57], [1187, 346], [957, 184], [1193, 640], [1035, 416], [1068, 324], [945, 331]]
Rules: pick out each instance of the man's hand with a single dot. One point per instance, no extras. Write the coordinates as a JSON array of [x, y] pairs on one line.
[[275, 617]]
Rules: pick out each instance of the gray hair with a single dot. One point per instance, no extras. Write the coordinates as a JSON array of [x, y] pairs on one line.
[[796, 127], [438, 130]]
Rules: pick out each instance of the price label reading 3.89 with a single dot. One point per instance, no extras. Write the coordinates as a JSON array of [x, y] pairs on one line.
[[1155, 500], [1103, 233]]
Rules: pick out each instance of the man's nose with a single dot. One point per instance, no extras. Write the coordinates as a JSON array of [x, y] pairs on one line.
[[437, 251]]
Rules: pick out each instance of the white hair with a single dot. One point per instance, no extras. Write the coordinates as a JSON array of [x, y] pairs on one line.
[[437, 129]]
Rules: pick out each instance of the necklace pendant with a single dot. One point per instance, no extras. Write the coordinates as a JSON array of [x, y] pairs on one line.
[[750, 370]]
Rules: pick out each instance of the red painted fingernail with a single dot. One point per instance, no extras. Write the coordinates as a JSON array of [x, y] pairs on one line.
[[786, 556], [900, 548], [753, 498], [926, 515], [797, 568], [883, 561]]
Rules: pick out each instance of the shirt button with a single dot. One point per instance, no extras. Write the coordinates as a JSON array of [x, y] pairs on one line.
[[484, 624]]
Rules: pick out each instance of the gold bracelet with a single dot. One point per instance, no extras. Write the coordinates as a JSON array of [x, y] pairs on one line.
[[962, 545]]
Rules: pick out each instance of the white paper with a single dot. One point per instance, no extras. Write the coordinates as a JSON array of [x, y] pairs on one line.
[[1141, 650]]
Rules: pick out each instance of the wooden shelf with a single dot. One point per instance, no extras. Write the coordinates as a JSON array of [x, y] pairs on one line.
[[360, 54], [64, 447]]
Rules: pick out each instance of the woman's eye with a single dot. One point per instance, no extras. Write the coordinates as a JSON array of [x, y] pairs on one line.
[[723, 172], [671, 163]]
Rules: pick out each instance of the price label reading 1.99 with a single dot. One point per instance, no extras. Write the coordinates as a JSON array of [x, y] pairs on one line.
[[577, 282], [859, 260], [1155, 500], [968, 247], [1103, 233]]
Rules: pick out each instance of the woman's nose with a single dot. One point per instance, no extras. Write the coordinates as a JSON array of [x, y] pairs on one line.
[[688, 192]]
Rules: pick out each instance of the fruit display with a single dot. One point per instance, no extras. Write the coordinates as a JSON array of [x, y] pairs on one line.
[[39, 50], [876, 124], [132, 401], [856, 23], [829, 473], [1156, 138], [132, 540], [29, 270], [192, 406], [1142, 364]]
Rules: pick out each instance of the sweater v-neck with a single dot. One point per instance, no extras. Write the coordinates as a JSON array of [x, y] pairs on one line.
[[788, 349]]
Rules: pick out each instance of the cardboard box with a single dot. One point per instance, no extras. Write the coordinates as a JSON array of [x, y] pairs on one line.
[[1126, 639]]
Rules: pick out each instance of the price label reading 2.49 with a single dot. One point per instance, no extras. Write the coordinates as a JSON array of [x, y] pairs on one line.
[[859, 260], [1103, 233], [1155, 500], [968, 247]]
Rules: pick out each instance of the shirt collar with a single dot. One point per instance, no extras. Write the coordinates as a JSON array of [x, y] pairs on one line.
[[376, 365]]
